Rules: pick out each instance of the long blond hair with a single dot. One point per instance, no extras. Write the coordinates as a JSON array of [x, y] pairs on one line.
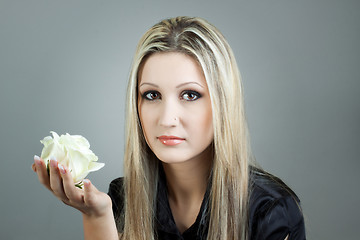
[[229, 182]]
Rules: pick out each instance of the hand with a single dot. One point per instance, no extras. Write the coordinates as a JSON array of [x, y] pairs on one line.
[[89, 200]]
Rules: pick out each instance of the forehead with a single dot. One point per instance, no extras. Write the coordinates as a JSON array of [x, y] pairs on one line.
[[171, 67]]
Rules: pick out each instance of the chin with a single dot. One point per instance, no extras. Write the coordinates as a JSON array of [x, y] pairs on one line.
[[171, 160], [176, 157]]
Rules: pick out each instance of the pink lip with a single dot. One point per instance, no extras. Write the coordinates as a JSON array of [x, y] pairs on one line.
[[170, 140]]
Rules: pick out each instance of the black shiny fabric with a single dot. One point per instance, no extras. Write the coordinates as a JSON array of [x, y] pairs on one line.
[[274, 211]]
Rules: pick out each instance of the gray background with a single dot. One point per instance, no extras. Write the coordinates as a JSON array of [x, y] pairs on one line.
[[64, 66]]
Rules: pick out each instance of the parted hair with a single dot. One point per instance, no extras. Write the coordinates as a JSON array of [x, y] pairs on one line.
[[228, 198]]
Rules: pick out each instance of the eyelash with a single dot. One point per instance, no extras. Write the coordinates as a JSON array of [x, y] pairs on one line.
[[191, 92], [158, 96]]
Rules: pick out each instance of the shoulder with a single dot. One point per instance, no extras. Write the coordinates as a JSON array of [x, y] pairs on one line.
[[116, 188], [274, 209], [116, 184], [116, 193]]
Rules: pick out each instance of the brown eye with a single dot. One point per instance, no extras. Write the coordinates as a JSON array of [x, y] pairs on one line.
[[151, 95], [191, 95]]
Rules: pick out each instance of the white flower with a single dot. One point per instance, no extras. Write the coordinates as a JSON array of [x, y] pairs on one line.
[[72, 151]]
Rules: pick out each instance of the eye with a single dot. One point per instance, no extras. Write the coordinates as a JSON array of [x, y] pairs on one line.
[[151, 95], [190, 95]]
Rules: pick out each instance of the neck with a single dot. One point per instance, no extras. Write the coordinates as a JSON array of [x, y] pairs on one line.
[[187, 181]]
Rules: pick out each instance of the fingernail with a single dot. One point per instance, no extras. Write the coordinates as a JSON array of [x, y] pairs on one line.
[[86, 181], [62, 169], [53, 162], [37, 160]]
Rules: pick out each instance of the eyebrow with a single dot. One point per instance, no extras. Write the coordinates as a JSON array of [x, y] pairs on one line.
[[178, 86], [146, 83], [186, 83]]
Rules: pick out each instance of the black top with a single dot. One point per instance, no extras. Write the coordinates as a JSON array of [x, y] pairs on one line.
[[274, 211]]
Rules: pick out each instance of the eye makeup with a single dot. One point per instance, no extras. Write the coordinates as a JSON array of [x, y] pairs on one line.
[[187, 95], [190, 95], [151, 95]]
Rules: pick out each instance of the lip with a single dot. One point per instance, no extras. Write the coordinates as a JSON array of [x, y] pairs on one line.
[[170, 140]]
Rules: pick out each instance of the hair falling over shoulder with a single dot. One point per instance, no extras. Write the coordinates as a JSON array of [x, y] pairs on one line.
[[229, 183]]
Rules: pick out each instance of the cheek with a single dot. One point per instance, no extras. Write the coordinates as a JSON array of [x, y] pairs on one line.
[[146, 120], [208, 124], [201, 124]]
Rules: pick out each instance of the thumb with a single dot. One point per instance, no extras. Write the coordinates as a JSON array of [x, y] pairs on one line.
[[96, 201], [90, 193]]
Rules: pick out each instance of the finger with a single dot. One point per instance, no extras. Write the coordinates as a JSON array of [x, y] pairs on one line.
[[95, 200], [72, 193], [90, 193], [56, 180], [33, 167], [42, 172]]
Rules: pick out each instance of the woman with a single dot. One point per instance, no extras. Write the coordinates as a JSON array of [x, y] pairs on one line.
[[187, 168]]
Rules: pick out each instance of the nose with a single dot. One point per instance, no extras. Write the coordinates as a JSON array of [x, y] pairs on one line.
[[169, 116]]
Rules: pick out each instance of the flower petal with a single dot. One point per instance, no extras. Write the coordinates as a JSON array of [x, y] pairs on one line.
[[72, 151], [94, 166]]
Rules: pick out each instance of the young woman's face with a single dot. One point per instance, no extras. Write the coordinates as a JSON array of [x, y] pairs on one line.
[[174, 107]]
